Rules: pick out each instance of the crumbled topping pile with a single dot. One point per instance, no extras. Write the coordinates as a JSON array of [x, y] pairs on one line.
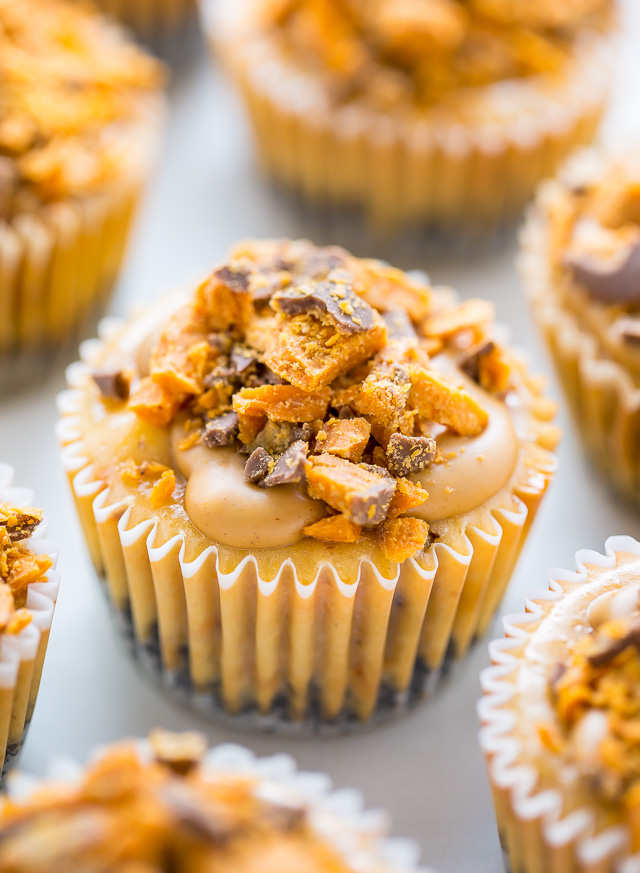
[[19, 566], [391, 51], [319, 367], [160, 815], [594, 239], [68, 79], [596, 696]]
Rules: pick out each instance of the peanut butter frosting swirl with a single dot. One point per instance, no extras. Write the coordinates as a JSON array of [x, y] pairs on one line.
[[69, 81], [19, 566], [160, 807], [309, 393], [394, 52]]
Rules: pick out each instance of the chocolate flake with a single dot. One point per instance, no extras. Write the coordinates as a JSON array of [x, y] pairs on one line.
[[369, 507], [613, 647], [235, 279], [289, 468], [257, 466], [201, 821], [242, 359], [629, 330], [470, 365], [277, 436], [399, 325], [409, 454], [617, 283], [335, 297], [221, 430], [112, 384], [221, 342]]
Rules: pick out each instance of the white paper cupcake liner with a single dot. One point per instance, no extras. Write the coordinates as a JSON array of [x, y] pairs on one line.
[[604, 399], [330, 654], [431, 169], [536, 834], [58, 265], [22, 654], [360, 836]]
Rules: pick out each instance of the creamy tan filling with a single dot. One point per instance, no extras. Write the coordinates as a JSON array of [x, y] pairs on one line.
[[230, 510]]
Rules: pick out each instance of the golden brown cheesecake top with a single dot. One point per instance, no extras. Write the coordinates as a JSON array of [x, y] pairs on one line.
[[595, 694], [390, 51], [334, 381], [68, 81], [163, 810], [19, 566], [592, 216]]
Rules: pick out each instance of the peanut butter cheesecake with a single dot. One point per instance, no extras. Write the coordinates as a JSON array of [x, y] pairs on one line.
[[443, 113], [80, 108], [562, 720], [168, 804], [308, 480], [581, 267], [28, 592]]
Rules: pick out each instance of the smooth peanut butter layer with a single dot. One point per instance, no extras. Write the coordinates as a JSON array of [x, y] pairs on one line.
[[162, 808], [19, 566], [397, 53], [592, 215], [69, 84], [304, 397]]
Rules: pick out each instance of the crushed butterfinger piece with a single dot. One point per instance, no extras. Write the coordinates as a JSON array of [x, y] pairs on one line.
[[113, 384], [281, 403], [20, 522], [26, 567], [153, 404], [438, 400], [408, 495], [226, 301], [188, 441], [334, 529], [18, 621], [409, 454], [289, 468], [311, 353], [132, 473], [474, 315], [361, 494], [179, 752], [386, 288], [402, 538], [347, 439], [334, 298], [162, 491]]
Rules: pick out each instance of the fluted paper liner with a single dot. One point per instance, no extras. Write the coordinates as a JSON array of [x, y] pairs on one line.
[[359, 835], [415, 168], [58, 265], [536, 835], [158, 22], [603, 396], [332, 651], [22, 654]]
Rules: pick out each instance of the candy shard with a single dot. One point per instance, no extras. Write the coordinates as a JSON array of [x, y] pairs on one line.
[[436, 399], [334, 529], [361, 494], [402, 538]]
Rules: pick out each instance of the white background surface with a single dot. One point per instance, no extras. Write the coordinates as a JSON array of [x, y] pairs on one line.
[[426, 768]]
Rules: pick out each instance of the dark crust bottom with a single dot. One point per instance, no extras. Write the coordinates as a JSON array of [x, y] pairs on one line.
[[177, 684], [12, 754]]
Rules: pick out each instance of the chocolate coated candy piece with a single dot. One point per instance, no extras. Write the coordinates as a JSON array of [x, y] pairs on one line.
[[221, 342], [236, 280], [408, 454], [606, 283], [242, 359], [629, 330], [399, 325], [471, 364], [612, 648], [257, 465], [113, 384], [335, 297], [203, 822], [221, 430], [289, 468]]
